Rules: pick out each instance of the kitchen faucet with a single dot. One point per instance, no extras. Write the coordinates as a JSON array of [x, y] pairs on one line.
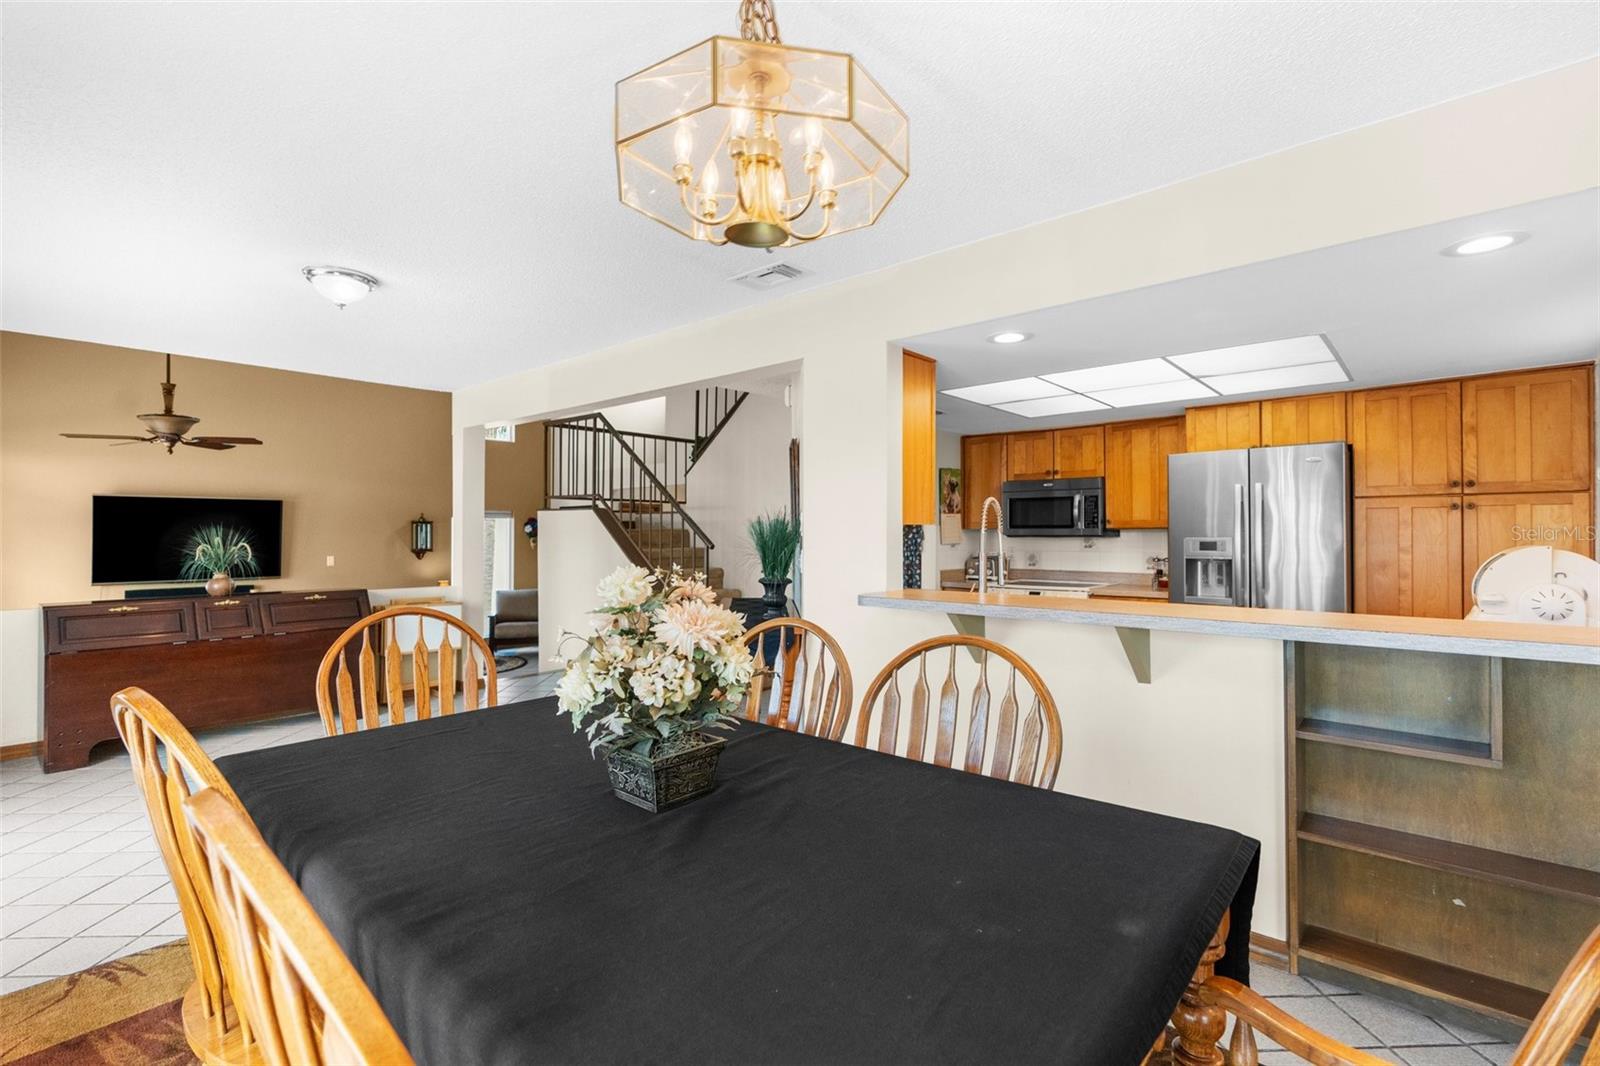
[[1000, 534]]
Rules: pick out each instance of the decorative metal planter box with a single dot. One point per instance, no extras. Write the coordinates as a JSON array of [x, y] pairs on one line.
[[662, 781]]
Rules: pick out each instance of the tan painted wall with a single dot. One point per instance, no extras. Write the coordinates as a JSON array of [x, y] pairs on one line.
[[513, 480], [353, 462]]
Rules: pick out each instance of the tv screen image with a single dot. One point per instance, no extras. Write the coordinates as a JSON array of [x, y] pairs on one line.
[[145, 538]]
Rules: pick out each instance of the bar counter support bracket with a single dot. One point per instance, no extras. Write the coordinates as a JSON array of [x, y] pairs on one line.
[[1136, 646], [970, 625]]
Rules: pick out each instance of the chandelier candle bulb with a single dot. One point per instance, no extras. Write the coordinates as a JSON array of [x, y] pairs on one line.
[[773, 112]]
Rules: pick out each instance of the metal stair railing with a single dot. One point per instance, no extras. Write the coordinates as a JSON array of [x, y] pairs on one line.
[[636, 478], [714, 406]]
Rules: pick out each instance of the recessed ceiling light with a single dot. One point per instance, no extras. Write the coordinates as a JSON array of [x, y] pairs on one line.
[[1161, 392], [1065, 404], [1263, 356], [1117, 375], [999, 392], [1010, 336], [1489, 242], [1283, 377], [338, 284]]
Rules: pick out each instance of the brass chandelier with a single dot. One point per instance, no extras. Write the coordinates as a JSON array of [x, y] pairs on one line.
[[769, 112]]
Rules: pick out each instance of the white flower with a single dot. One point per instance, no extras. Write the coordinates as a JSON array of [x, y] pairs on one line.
[[689, 625], [576, 691], [626, 586], [693, 589]]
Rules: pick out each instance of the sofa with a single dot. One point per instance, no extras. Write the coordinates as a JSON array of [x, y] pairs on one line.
[[515, 622]]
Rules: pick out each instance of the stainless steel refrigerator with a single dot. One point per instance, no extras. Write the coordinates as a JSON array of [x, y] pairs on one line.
[[1261, 527]]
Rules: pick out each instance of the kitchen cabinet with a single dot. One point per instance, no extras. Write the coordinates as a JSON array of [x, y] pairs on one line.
[[1407, 556], [1530, 431], [983, 472], [1080, 451], [1407, 440], [1303, 419], [1493, 523], [1030, 456], [1136, 471], [919, 474], [1228, 425]]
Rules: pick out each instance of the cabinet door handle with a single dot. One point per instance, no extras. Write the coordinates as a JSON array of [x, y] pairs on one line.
[[313, 596], [1472, 507], [1454, 483], [226, 603], [1471, 482], [121, 610], [1455, 507]]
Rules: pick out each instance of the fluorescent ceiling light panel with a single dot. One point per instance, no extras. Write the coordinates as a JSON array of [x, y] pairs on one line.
[[998, 392], [1160, 392], [1116, 376], [1283, 377], [1066, 403], [1268, 355]]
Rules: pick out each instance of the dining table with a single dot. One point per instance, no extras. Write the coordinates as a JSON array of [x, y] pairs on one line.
[[823, 904]]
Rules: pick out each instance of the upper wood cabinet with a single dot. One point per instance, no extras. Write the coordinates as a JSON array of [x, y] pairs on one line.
[[1136, 471], [919, 474], [1493, 523], [1407, 557], [983, 472], [1406, 441], [1303, 419], [1528, 432], [1228, 425], [1030, 456], [1080, 451]]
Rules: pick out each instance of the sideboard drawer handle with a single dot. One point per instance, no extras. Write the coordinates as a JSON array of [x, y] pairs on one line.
[[226, 603], [121, 610], [314, 596]]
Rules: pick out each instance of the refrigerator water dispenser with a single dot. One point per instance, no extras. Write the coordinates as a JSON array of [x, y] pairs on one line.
[[1208, 570]]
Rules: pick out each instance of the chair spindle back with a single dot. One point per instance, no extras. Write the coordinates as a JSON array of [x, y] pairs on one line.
[[779, 695]]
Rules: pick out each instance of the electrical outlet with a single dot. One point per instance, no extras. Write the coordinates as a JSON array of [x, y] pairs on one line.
[[330, 560]]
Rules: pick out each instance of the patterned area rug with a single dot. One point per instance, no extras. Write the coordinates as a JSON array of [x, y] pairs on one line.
[[123, 1012], [506, 663]]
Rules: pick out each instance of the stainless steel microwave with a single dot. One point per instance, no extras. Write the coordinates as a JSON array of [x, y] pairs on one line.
[[1062, 507]]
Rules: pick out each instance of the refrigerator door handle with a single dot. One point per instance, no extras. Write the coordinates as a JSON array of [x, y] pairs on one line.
[[1241, 579], [1256, 591]]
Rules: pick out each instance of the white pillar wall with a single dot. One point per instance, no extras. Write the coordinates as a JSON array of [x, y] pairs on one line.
[[466, 524], [1414, 170]]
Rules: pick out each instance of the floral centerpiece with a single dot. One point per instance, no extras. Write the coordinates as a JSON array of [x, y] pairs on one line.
[[218, 552], [664, 663]]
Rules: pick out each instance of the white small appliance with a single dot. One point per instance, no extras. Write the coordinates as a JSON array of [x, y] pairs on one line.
[[1537, 584]]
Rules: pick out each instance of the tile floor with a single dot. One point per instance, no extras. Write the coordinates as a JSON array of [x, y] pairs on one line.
[[81, 882]]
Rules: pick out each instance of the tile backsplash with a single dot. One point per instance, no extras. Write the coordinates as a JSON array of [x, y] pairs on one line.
[[1125, 554]]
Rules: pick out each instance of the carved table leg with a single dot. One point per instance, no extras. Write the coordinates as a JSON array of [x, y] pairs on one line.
[[1199, 1025]]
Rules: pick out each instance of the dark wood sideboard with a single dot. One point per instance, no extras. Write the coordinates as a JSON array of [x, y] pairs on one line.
[[211, 661]]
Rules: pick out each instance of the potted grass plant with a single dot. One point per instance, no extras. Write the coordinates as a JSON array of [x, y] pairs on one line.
[[218, 553], [664, 663], [776, 539]]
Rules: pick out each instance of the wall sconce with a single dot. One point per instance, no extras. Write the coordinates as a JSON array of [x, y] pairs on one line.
[[421, 536], [530, 529]]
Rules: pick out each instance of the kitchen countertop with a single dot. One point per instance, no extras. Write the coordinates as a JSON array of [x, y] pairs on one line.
[[1512, 640], [1118, 585]]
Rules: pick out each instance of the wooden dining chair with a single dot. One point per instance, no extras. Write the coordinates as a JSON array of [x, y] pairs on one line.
[[1018, 734], [1567, 1012], [167, 765], [778, 695], [306, 1003], [347, 704]]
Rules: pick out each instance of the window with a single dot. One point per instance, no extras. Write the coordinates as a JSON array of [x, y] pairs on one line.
[[506, 432]]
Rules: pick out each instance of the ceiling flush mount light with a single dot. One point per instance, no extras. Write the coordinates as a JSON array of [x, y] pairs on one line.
[[1118, 376], [1008, 337], [1489, 242], [340, 285], [754, 142], [1068, 403], [999, 392]]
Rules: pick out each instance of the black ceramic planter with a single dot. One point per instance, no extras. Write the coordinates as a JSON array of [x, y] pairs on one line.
[[661, 781], [775, 604]]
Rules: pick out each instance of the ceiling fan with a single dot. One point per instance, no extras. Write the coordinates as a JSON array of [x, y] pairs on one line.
[[168, 428]]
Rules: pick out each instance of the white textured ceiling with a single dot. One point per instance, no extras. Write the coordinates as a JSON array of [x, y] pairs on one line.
[[168, 168], [1392, 307]]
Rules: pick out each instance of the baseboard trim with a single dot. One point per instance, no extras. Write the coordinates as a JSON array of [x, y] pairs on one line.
[[20, 751], [1270, 950]]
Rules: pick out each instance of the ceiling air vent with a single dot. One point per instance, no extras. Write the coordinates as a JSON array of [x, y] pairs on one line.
[[768, 277]]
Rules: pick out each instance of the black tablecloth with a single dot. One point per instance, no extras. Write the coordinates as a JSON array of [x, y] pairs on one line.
[[824, 905]]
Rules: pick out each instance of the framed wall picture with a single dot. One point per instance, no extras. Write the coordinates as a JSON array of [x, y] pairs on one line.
[[949, 490]]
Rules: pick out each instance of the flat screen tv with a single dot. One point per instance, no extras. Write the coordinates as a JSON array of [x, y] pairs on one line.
[[143, 538]]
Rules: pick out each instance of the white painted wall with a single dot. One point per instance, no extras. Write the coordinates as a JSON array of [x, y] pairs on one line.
[[640, 416], [575, 552], [1212, 721]]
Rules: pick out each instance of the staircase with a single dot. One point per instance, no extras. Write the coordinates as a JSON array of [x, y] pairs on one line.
[[637, 484]]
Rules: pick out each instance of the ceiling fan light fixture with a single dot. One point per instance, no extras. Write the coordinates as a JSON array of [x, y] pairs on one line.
[[340, 285]]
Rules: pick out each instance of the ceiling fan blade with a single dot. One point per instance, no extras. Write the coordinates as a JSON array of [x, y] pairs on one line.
[[227, 440], [216, 446], [105, 436]]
